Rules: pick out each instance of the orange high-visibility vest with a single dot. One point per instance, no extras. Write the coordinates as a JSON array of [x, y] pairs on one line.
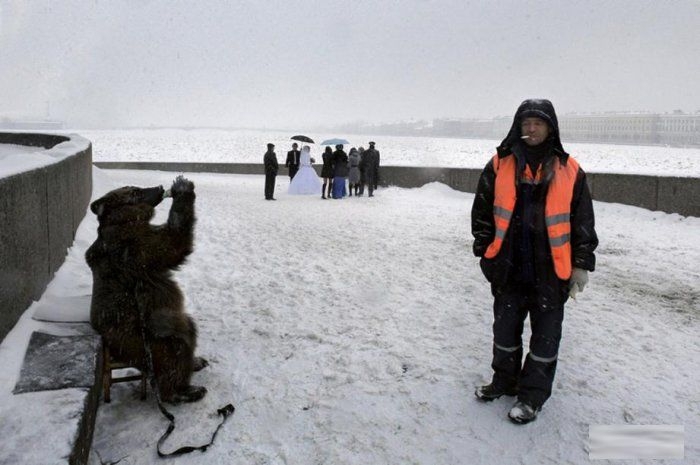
[[557, 208]]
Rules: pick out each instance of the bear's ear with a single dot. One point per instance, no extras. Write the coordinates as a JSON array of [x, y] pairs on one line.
[[97, 207]]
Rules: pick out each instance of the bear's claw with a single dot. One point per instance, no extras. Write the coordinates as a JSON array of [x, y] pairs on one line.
[[200, 363], [181, 185]]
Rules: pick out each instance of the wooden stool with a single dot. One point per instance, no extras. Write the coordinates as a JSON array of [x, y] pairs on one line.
[[108, 379]]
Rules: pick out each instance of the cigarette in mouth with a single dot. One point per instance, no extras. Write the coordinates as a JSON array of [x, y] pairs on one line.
[[524, 137]]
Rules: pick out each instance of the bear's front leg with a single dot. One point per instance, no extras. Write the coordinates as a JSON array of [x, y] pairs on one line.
[[168, 245]]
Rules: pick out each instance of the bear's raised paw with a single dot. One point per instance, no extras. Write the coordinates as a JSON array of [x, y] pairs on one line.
[[181, 185]]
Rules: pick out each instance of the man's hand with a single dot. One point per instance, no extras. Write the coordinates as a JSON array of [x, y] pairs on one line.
[[578, 280]]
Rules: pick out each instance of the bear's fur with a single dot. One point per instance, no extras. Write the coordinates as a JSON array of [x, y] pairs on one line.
[[132, 262]]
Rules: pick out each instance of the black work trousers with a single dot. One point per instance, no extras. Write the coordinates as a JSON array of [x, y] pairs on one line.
[[371, 181], [270, 185], [534, 378]]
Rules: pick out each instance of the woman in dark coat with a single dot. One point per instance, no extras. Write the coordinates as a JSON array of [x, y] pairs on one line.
[[340, 172], [327, 172]]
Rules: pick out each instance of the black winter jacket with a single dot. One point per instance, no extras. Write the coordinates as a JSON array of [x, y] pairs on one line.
[[270, 162], [503, 267], [506, 267], [327, 170], [340, 163]]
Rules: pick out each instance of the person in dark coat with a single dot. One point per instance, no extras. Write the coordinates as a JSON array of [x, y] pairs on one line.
[[292, 162], [340, 172], [533, 227], [376, 169], [363, 178], [271, 168], [327, 173], [370, 160]]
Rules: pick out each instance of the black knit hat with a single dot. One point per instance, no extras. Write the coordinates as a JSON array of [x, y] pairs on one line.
[[270, 146]]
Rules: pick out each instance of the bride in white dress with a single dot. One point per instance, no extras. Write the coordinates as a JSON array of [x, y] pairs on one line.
[[306, 181]]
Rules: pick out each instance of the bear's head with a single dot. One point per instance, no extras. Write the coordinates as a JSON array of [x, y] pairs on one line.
[[127, 204]]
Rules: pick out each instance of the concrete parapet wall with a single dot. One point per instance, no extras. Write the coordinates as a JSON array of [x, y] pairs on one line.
[[668, 194], [230, 168], [637, 190], [40, 210], [679, 195]]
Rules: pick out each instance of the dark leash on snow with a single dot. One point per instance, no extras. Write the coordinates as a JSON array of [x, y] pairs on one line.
[[225, 412]]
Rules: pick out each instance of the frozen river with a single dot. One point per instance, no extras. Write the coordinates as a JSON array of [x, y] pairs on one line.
[[249, 146]]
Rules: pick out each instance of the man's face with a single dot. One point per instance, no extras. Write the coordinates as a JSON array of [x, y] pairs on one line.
[[536, 129]]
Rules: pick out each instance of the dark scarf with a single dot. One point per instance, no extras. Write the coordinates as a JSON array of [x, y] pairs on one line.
[[527, 204], [534, 156]]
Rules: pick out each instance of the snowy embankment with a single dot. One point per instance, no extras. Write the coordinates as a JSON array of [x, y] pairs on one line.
[[353, 332]]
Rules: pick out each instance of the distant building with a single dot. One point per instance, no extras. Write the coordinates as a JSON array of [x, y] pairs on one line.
[[620, 128], [653, 129], [679, 129], [471, 128]]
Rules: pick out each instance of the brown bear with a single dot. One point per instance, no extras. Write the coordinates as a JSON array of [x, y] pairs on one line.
[[132, 263]]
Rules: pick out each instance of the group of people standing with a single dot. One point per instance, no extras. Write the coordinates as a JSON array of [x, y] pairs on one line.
[[358, 168]]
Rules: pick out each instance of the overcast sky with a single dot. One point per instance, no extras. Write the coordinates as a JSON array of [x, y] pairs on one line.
[[296, 63]]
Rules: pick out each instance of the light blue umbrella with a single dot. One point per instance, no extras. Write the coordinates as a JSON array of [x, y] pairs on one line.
[[335, 142]]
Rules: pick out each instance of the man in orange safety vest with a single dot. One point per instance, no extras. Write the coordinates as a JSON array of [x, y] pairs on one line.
[[534, 229]]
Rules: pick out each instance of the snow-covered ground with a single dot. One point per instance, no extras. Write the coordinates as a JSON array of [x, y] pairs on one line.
[[199, 145], [353, 332]]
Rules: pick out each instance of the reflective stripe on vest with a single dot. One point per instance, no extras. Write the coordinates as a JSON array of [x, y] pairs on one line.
[[557, 207]]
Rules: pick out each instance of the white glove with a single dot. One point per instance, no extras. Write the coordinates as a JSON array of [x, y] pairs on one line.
[[578, 280]]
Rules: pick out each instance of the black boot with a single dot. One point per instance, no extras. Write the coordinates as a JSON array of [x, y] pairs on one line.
[[323, 191], [490, 392], [523, 413]]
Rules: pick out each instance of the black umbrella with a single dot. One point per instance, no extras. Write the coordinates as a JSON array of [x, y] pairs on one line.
[[303, 139]]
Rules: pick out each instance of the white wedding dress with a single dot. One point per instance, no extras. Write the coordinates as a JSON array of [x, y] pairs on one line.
[[306, 181]]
